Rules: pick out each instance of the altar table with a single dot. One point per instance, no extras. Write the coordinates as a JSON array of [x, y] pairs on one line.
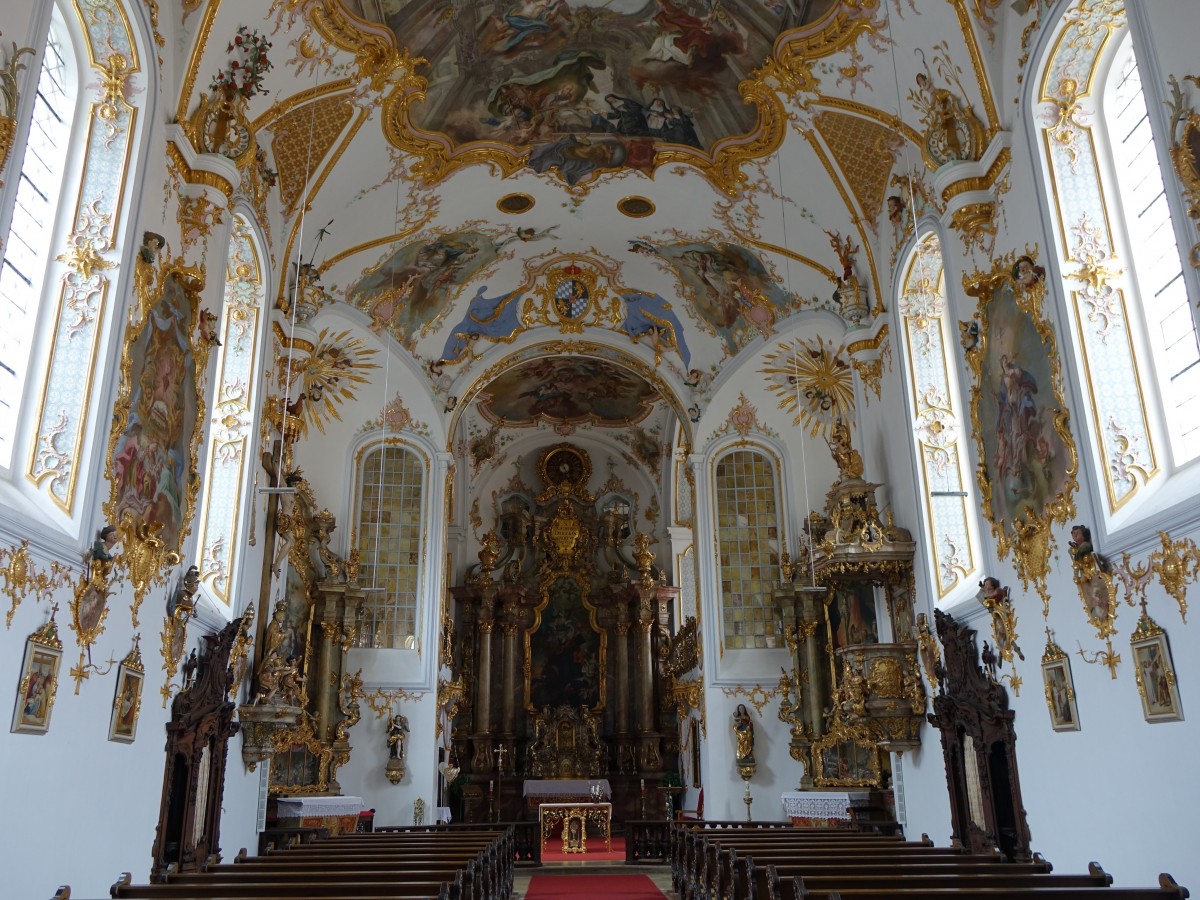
[[563, 790], [338, 814], [822, 809], [574, 818]]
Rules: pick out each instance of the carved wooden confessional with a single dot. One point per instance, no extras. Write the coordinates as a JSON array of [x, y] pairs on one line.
[[980, 747], [189, 819]]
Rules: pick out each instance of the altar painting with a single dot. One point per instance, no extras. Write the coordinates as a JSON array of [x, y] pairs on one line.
[[568, 390], [1027, 456], [852, 618], [565, 651], [586, 86], [157, 419]]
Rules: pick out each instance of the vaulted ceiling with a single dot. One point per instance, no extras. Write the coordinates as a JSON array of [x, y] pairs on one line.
[[649, 192]]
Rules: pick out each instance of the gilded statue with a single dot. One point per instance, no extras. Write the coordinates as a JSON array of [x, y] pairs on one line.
[[848, 460]]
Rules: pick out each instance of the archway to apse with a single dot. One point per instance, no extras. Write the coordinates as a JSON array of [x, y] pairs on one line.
[[559, 625]]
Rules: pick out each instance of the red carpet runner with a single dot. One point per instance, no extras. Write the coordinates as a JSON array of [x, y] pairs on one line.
[[592, 887], [595, 851]]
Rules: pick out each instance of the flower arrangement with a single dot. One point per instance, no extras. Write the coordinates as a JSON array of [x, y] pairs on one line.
[[248, 69]]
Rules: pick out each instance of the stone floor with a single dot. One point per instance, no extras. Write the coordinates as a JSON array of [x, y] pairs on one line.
[[659, 874]]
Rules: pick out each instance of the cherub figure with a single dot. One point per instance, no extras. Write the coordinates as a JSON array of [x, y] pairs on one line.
[[208, 328]]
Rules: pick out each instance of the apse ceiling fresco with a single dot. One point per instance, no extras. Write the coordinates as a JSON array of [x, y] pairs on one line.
[[664, 188]]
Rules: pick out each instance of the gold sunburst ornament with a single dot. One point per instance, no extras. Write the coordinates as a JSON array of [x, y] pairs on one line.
[[326, 378], [813, 382]]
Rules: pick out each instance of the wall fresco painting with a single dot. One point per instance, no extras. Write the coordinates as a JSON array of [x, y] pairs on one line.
[[153, 456], [1028, 461], [568, 390]]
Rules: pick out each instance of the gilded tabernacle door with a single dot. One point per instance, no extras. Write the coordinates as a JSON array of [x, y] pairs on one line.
[[565, 649]]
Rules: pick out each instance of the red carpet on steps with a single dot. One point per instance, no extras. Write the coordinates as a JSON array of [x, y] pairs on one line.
[[592, 887], [595, 851]]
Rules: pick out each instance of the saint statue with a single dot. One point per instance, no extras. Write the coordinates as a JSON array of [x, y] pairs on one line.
[[743, 732], [397, 734]]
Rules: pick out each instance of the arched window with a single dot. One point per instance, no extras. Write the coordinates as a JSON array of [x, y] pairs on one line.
[[1134, 333], [746, 510], [68, 239], [1153, 250], [390, 541], [937, 423], [27, 250], [231, 426]]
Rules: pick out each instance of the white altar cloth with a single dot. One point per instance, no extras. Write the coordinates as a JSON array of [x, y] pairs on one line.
[[306, 807], [822, 804], [566, 787]]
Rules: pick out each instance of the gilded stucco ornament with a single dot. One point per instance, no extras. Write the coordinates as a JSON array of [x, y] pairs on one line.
[[1176, 564], [1185, 152], [21, 577], [11, 67]]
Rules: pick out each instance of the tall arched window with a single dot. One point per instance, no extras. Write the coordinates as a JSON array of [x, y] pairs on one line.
[[1134, 331], [27, 250], [390, 541], [746, 510], [76, 207], [1153, 250], [231, 427], [937, 423]]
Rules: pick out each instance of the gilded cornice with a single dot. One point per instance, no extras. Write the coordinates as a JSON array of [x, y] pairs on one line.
[[197, 176], [984, 182]]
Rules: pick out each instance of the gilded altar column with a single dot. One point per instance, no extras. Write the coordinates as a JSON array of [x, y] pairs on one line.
[[626, 758], [509, 620], [482, 761], [649, 757]]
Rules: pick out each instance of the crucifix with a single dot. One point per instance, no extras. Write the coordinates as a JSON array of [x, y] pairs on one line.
[[1105, 657], [499, 754]]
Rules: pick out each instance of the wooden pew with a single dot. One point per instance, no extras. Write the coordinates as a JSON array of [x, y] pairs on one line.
[[1052, 886], [474, 865], [1167, 889]]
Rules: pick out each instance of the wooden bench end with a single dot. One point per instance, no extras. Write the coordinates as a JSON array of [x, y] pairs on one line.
[[1166, 882], [1097, 871], [124, 881], [63, 892]]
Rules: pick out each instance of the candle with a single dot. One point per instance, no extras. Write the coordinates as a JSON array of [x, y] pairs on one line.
[[643, 785], [491, 787]]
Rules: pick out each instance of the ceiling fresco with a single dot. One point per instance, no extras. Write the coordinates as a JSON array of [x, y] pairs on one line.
[[784, 138], [568, 391], [585, 87]]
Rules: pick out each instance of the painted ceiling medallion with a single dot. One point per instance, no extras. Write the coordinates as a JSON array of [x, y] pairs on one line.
[[578, 88]]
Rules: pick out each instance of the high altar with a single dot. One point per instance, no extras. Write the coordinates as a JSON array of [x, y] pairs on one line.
[[564, 628]]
